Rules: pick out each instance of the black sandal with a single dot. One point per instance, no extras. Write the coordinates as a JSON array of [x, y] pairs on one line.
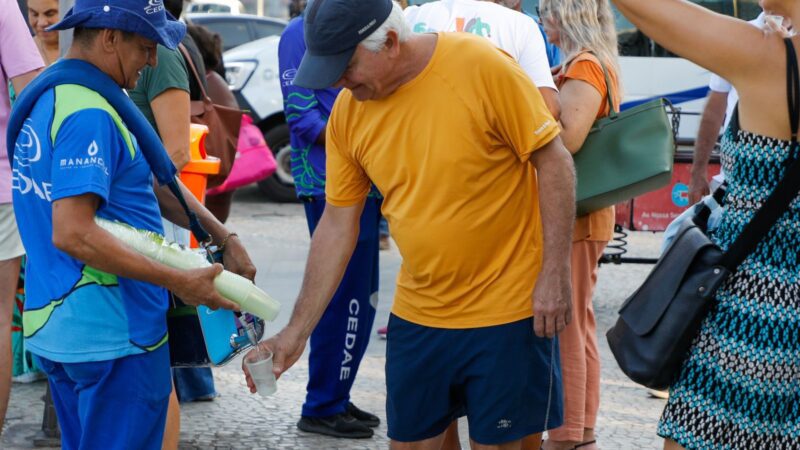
[[584, 444]]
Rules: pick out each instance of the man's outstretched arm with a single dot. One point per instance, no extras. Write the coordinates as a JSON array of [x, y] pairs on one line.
[[710, 123], [332, 245]]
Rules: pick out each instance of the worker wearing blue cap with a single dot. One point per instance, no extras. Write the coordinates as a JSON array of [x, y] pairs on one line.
[[95, 313]]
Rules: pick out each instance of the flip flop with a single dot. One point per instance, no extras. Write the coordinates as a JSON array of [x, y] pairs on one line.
[[584, 444]]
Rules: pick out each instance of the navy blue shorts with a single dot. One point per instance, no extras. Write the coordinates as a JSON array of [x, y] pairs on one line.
[[503, 378], [110, 405]]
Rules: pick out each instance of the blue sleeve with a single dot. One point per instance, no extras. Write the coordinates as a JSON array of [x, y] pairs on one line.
[[553, 52], [300, 105], [87, 148]]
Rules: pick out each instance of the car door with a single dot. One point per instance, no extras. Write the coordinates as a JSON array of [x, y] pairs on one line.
[[267, 28], [234, 31]]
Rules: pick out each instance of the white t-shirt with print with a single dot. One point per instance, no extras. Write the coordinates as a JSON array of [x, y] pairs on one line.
[[718, 84], [513, 32]]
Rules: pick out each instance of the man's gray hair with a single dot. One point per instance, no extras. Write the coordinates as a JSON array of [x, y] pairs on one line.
[[396, 21]]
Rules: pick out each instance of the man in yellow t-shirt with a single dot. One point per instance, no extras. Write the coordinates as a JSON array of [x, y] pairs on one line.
[[479, 193]]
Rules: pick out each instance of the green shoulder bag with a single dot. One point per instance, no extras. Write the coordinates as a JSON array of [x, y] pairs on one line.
[[626, 154]]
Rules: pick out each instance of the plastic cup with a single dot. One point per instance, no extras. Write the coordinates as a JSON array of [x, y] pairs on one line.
[[259, 364]]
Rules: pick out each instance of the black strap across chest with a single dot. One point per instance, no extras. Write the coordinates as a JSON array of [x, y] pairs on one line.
[[786, 190]]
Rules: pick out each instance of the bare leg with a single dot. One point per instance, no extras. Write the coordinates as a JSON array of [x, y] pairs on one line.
[[172, 431], [588, 436], [532, 442], [451, 439], [434, 443], [9, 276], [516, 445], [669, 444], [559, 445]]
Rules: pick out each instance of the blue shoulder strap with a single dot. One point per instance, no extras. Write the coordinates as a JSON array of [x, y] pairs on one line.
[[75, 71]]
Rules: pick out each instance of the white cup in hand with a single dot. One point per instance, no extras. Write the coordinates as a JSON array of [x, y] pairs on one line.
[[259, 364]]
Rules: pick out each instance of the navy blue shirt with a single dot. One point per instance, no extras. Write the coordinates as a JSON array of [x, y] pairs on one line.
[[553, 52], [306, 111]]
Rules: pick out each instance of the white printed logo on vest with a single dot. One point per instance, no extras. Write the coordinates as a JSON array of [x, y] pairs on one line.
[[28, 148], [91, 160], [27, 151]]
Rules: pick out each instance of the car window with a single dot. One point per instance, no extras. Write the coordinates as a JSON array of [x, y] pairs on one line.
[[233, 32], [266, 29], [209, 8]]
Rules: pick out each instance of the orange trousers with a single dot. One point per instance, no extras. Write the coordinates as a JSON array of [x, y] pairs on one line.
[[580, 361]]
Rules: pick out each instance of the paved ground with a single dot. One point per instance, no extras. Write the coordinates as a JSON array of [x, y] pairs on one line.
[[278, 238]]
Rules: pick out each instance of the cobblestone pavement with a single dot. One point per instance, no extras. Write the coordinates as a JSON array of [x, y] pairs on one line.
[[277, 237]]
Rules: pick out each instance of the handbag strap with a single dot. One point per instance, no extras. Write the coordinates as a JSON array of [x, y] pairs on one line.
[[786, 190], [196, 75], [200, 234], [793, 90], [609, 89]]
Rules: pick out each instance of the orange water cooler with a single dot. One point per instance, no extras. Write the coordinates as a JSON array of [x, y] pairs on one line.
[[195, 174]]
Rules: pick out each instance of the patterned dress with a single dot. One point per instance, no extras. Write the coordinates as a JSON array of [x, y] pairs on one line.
[[740, 386]]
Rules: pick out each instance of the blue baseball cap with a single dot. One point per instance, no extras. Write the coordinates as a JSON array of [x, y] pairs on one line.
[[146, 18], [333, 29]]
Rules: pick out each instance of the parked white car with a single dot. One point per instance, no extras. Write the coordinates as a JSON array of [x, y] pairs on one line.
[[253, 76], [238, 29], [215, 6]]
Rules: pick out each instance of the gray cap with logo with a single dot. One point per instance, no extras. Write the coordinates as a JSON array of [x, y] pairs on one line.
[[333, 29]]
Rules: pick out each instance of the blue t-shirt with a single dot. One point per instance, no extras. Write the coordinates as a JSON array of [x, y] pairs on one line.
[[74, 143], [553, 52], [306, 112]]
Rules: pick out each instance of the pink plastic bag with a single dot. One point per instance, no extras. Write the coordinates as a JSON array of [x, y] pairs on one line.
[[254, 160]]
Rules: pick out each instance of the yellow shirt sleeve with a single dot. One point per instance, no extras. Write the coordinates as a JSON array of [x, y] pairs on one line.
[[346, 181], [517, 103]]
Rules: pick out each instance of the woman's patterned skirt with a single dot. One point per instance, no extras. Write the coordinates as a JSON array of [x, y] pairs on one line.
[[740, 385]]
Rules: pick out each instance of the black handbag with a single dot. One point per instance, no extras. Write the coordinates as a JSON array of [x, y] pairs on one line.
[[657, 324]]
